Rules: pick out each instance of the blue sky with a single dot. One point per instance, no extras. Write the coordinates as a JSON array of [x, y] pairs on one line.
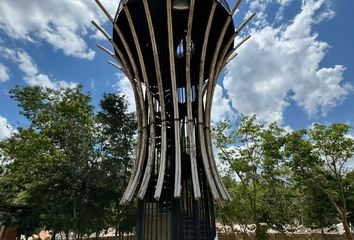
[[296, 69]]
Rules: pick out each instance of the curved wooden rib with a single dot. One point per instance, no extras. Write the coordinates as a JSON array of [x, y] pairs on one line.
[[191, 126], [224, 52], [214, 60], [177, 187], [109, 52], [115, 65], [139, 106], [162, 103], [142, 115], [228, 59], [221, 65], [151, 154], [226, 48], [225, 57], [209, 177], [133, 181], [104, 11], [213, 76], [212, 163]]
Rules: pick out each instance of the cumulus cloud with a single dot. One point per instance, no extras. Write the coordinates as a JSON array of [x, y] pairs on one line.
[[123, 85], [5, 128], [63, 24], [282, 64], [4, 73], [260, 7], [221, 106], [283, 4], [32, 76]]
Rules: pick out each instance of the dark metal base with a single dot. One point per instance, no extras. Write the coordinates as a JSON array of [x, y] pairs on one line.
[[177, 219]]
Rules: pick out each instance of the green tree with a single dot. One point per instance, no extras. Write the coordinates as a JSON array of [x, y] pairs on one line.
[[319, 157], [69, 165], [318, 211], [117, 129], [256, 159], [349, 188]]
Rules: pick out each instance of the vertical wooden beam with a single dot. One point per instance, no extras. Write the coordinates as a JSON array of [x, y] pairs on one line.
[[191, 126], [177, 187], [151, 153], [161, 174], [206, 166]]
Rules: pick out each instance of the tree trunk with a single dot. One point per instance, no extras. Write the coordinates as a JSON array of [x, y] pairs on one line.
[[346, 226]]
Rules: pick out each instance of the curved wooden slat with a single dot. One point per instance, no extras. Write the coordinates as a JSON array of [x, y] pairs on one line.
[[139, 106], [214, 60], [141, 113], [177, 134], [136, 173], [210, 92], [104, 10], [209, 96], [207, 133], [110, 53], [225, 57], [115, 65], [151, 152], [224, 52], [161, 101], [227, 46], [205, 161], [191, 126]]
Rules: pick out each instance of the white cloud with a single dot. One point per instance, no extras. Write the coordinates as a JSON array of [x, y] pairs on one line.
[[221, 106], [4, 73], [63, 24], [32, 76], [281, 64], [283, 4], [6, 129], [123, 85], [259, 7]]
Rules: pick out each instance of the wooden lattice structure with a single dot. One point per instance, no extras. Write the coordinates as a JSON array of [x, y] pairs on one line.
[[172, 52]]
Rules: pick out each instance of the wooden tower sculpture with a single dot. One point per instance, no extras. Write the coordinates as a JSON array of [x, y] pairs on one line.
[[172, 52]]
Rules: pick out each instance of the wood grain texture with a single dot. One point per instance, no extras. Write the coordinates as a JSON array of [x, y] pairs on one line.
[[152, 141], [162, 168], [139, 107], [205, 160], [190, 123], [177, 131]]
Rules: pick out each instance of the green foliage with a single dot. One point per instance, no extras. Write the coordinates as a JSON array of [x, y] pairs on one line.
[[349, 188], [319, 158], [69, 166], [275, 176], [259, 173]]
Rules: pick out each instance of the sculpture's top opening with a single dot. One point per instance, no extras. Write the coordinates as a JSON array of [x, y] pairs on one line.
[[177, 5], [180, 12]]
